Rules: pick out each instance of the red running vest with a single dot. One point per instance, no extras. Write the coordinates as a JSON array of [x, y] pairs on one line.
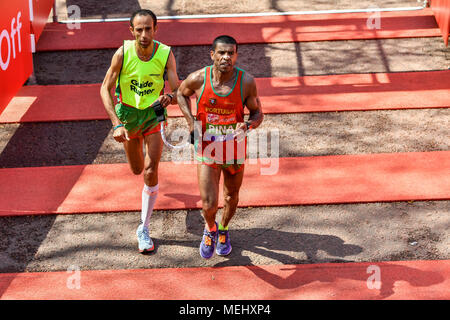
[[219, 115]]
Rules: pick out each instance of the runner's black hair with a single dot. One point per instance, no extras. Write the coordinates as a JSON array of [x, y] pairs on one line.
[[143, 12], [224, 39]]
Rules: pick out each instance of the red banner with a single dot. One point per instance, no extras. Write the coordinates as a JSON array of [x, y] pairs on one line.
[[441, 9], [16, 61], [41, 11]]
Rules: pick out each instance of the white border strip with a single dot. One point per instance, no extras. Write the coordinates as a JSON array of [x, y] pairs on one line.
[[30, 6], [33, 43], [260, 14]]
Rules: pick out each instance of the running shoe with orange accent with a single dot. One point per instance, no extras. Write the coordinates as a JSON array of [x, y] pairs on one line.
[[208, 243], [223, 244]]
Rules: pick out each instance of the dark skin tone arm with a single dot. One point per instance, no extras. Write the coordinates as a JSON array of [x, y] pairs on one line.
[[252, 102], [192, 85]]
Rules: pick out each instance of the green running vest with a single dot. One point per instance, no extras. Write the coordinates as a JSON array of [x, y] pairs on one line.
[[140, 83]]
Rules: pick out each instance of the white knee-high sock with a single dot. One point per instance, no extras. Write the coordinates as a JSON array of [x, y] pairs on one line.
[[149, 195]]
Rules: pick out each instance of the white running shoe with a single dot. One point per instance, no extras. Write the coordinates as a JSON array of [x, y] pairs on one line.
[[144, 241]]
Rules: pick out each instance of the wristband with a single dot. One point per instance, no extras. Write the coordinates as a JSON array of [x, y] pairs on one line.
[[170, 96], [118, 126], [247, 124]]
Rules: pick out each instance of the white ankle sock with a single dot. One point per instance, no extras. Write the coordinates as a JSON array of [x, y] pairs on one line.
[[149, 195]]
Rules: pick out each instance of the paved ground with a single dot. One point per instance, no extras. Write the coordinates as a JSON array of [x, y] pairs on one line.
[[120, 8], [272, 235]]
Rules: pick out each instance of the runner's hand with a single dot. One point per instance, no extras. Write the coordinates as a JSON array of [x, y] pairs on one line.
[[121, 134], [165, 100], [240, 131]]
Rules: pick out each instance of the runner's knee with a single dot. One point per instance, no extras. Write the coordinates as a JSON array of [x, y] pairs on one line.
[[137, 170], [209, 206], [151, 169], [231, 197]]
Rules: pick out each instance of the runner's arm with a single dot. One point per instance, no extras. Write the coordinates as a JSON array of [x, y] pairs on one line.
[[172, 77], [253, 103], [120, 134], [187, 88], [108, 85]]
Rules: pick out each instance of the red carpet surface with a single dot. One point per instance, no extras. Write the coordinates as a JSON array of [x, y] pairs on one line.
[[348, 92], [318, 180], [269, 29], [411, 280]]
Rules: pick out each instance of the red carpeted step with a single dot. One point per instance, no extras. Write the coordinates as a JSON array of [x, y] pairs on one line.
[[399, 280], [269, 182], [348, 92], [268, 29]]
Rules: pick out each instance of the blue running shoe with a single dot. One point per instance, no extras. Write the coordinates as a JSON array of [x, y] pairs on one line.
[[208, 243], [145, 243], [223, 244]]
